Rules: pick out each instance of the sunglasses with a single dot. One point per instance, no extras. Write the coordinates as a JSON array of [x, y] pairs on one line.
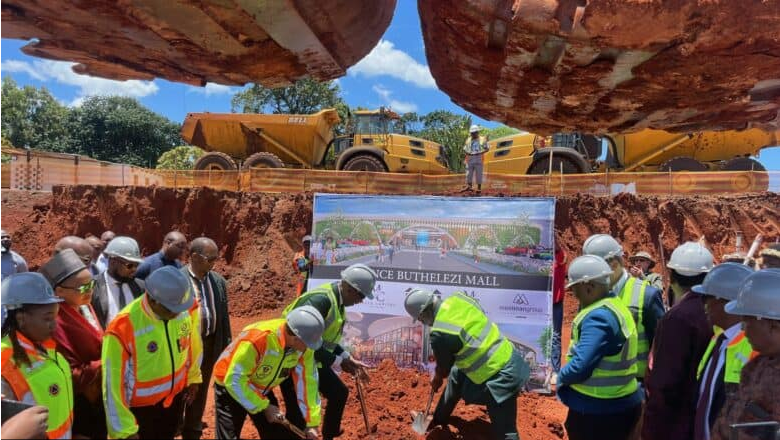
[[83, 289], [207, 259], [128, 264]]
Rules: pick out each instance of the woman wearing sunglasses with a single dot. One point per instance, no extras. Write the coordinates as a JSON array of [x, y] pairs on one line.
[[79, 337]]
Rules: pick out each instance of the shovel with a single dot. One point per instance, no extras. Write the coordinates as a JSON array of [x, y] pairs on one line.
[[421, 422]]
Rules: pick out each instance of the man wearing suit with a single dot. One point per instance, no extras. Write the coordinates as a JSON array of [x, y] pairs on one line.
[[116, 287], [210, 289]]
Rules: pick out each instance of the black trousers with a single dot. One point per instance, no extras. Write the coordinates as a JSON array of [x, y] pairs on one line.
[[231, 416], [617, 426], [193, 414], [331, 388], [156, 421], [503, 416]]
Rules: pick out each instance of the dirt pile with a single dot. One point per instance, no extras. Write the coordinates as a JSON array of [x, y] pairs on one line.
[[602, 66], [258, 234], [196, 42]]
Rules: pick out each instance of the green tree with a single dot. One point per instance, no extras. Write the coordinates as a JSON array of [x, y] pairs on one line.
[[120, 129], [32, 117], [545, 342], [500, 131], [448, 129], [303, 97], [182, 157]]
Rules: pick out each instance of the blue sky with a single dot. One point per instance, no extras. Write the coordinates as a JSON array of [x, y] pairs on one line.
[[443, 207], [394, 74]]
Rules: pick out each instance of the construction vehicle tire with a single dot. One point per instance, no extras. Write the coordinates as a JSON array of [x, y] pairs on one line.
[[747, 182], [365, 162], [541, 165], [215, 161], [262, 160]]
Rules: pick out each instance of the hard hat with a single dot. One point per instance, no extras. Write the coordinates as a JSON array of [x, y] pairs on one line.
[[724, 281], [171, 288], [417, 300], [646, 256], [474, 129], [758, 296], [307, 324], [306, 238], [587, 269], [602, 245], [125, 248], [27, 288], [362, 278], [691, 259]]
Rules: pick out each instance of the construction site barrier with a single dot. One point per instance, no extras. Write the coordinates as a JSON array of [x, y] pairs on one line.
[[35, 170]]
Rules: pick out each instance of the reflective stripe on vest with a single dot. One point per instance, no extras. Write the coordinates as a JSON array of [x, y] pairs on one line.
[[334, 322], [485, 350], [633, 297], [615, 375], [738, 353], [160, 352], [45, 382]]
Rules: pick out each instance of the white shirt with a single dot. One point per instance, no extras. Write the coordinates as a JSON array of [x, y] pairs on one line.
[[730, 334], [113, 296]]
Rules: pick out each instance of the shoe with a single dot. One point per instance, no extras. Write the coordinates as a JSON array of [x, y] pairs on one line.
[[465, 189], [479, 191]]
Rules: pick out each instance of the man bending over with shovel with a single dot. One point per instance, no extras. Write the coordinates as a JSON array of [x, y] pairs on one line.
[[481, 365]]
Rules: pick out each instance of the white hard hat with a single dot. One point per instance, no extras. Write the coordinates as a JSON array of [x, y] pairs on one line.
[[125, 248], [758, 296], [474, 128], [724, 281], [27, 288], [417, 300], [362, 278], [691, 259], [589, 269], [602, 245], [307, 323], [171, 288]]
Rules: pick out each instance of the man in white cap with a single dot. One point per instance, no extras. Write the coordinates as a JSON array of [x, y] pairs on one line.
[[474, 148], [681, 339], [756, 400], [116, 287], [151, 359]]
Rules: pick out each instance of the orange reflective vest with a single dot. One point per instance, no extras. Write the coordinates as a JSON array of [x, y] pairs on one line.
[[257, 361], [146, 361], [46, 381]]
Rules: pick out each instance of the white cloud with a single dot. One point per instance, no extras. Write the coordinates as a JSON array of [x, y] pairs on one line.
[[211, 89], [395, 105], [61, 72], [385, 59]]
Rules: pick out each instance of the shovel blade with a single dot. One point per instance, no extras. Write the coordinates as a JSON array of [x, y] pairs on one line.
[[420, 425]]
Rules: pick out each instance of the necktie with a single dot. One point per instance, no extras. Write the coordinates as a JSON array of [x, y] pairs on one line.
[[122, 300], [702, 419]]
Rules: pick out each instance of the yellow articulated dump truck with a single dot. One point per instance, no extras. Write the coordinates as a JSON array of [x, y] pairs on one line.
[[308, 141], [643, 151]]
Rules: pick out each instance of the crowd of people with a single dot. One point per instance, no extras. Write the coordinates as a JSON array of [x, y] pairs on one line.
[[102, 342]]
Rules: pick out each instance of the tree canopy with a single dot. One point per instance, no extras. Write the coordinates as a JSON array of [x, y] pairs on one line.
[[182, 157]]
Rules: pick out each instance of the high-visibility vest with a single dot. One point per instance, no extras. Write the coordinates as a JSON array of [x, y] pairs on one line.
[[256, 361], [485, 350], [633, 297], [334, 322], [46, 381], [615, 375], [738, 353], [145, 361]]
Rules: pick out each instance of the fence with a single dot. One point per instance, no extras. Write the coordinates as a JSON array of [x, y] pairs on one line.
[[41, 171]]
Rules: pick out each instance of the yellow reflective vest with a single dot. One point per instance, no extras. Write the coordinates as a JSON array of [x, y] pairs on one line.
[[615, 375], [633, 297], [146, 361], [256, 361], [738, 353], [46, 381], [485, 350], [334, 322]]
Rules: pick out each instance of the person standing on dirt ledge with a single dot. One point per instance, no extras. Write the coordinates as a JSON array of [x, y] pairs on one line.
[[481, 365], [681, 339], [356, 284], [598, 382], [302, 264], [474, 148], [173, 247], [642, 265], [211, 292], [11, 261]]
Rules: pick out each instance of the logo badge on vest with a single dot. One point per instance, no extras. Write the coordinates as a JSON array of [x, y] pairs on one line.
[[54, 389], [264, 370], [151, 347]]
